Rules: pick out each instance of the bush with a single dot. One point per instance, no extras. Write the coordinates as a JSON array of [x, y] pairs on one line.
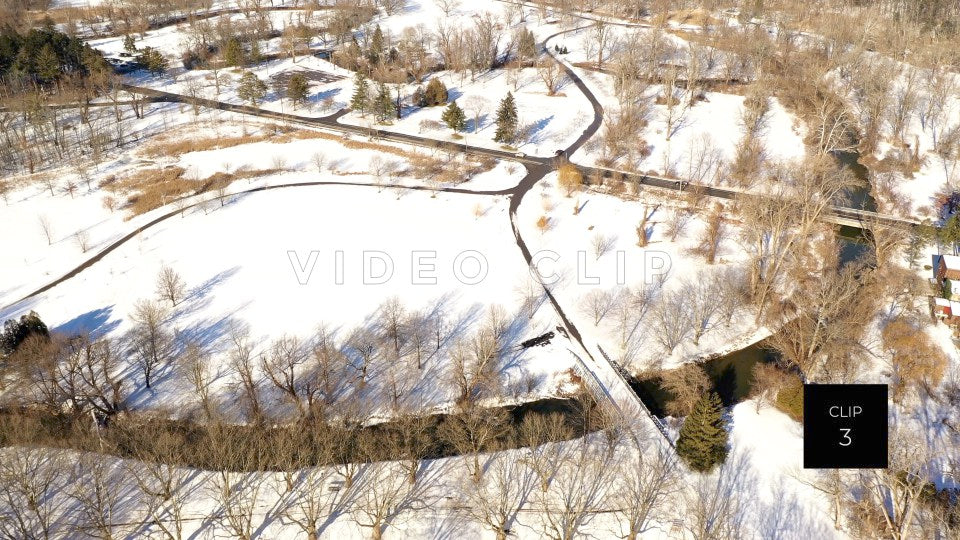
[[196, 57], [435, 94], [790, 398], [16, 332]]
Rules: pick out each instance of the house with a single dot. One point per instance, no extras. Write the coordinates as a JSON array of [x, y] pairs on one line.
[[947, 275], [945, 310]]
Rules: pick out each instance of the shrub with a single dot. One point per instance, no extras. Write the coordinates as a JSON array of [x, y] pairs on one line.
[[790, 398], [435, 94]]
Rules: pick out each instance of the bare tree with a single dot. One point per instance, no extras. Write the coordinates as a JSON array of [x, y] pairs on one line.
[[162, 480], [688, 384], [645, 479], [414, 442], [597, 303], [30, 480], [496, 500], [833, 483], [150, 342], [309, 501], [319, 160], [895, 492], [97, 489], [714, 506], [536, 433], [551, 73], [448, 6], [170, 286], [601, 244], [82, 237], [575, 490], [47, 228], [282, 366], [381, 494], [473, 431], [195, 363], [242, 362], [821, 337], [672, 319]]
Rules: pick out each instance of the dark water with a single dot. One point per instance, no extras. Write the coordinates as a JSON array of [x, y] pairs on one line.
[[858, 196], [853, 245], [730, 374]]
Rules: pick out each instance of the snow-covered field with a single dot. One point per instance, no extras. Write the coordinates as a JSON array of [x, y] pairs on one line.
[[278, 257]]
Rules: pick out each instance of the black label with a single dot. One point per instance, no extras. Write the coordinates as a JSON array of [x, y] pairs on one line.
[[845, 426]]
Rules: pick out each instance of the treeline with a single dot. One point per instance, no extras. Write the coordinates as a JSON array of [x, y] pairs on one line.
[[44, 57]]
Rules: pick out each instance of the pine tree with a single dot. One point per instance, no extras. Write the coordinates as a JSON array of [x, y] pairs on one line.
[[298, 88], [251, 88], [454, 116], [360, 101], [506, 120], [153, 60], [383, 107], [703, 437], [436, 93], [376, 46], [255, 56], [16, 332], [48, 64], [129, 43], [233, 52]]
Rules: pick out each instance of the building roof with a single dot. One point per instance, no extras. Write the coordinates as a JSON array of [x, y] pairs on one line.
[[941, 302], [951, 262]]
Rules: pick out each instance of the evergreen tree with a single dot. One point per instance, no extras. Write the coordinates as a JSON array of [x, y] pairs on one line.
[[376, 46], [703, 437], [255, 56], [506, 120], [298, 88], [129, 44], [233, 52], [454, 116], [526, 45], [153, 60], [436, 93], [16, 332], [950, 233], [48, 64], [383, 107], [251, 88], [360, 101]]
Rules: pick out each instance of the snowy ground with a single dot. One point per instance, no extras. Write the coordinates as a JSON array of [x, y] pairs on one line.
[[572, 238], [247, 262]]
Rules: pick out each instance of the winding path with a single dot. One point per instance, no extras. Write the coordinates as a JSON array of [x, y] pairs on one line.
[[605, 370]]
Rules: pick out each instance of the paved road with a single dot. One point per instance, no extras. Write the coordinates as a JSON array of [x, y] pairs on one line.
[[605, 369]]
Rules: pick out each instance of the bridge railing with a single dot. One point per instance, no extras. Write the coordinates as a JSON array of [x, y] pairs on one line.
[[625, 377]]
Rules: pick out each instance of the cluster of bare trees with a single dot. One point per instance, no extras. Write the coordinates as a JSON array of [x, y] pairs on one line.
[[37, 135], [557, 488], [687, 311], [900, 501]]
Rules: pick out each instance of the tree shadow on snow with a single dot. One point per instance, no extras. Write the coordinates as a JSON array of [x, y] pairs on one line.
[[96, 323], [534, 130]]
